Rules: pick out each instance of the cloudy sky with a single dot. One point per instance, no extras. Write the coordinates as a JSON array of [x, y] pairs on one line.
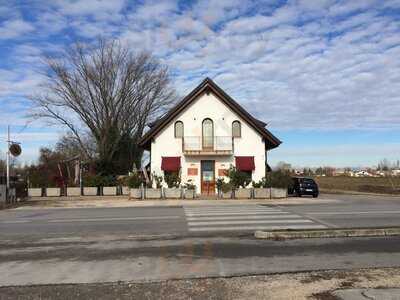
[[325, 75]]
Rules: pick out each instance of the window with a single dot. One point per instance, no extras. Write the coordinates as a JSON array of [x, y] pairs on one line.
[[236, 129], [179, 129], [208, 134]]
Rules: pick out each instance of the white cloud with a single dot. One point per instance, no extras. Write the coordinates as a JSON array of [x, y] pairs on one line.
[[304, 64], [14, 28], [97, 8]]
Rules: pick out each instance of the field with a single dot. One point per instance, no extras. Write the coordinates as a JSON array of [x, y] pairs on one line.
[[381, 185]]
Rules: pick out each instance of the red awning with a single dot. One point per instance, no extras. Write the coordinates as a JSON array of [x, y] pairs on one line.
[[171, 163], [245, 163]]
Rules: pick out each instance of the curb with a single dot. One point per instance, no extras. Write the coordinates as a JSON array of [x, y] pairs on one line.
[[326, 233]]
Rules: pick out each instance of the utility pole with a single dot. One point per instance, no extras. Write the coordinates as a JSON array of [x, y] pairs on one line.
[[8, 157]]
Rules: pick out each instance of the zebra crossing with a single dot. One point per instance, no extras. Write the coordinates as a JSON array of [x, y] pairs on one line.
[[244, 218]]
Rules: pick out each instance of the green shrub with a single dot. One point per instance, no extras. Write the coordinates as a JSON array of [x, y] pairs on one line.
[[219, 183], [226, 187], [158, 180], [260, 184], [98, 180], [189, 185], [172, 179], [237, 178], [278, 179], [134, 181]]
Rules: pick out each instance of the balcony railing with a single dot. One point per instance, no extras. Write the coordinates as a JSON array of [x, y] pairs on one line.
[[216, 145]]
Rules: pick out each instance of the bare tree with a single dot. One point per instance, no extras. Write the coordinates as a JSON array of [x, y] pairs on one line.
[[108, 91]]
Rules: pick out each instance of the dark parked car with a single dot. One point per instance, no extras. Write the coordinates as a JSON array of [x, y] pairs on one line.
[[304, 186]]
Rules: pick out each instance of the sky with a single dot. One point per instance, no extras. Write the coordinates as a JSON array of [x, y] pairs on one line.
[[324, 74]]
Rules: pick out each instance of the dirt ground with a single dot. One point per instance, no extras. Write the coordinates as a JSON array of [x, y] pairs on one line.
[[311, 285], [379, 185]]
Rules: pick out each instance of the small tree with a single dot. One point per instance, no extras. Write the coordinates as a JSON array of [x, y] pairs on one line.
[[278, 179], [134, 181], [158, 180], [237, 178], [189, 185], [172, 179]]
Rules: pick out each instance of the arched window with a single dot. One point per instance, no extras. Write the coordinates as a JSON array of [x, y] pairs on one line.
[[179, 129], [236, 129], [208, 134]]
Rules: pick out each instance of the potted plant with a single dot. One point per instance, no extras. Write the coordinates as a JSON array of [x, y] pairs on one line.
[[280, 181], [35, 192], [190, 189], [92, 184], [154, 193], [73, 191], [225, 189], [134, 182], [109, 186], [53, 192], [261, 191], [173, 181], [239, 181]]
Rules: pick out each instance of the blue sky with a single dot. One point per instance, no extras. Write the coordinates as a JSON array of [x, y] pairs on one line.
[[325, 75]]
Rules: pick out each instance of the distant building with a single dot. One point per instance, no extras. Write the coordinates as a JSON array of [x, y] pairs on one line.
[[362, 174], [396, 172]]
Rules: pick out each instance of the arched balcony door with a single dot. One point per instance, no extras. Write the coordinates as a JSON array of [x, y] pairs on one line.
[[208, 134]]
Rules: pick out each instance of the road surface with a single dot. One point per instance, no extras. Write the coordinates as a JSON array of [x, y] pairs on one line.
[[347, 211]]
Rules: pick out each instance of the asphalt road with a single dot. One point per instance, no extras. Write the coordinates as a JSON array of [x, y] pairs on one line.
[[353, 211], [346, 211], [83, 245], [69, 261]]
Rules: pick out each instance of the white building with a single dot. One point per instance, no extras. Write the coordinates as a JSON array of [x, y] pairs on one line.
[[206, 133]]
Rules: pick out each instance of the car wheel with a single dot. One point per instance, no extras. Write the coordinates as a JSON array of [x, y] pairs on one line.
[[315, 195]]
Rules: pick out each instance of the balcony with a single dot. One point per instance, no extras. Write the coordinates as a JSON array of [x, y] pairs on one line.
[[216, 145]]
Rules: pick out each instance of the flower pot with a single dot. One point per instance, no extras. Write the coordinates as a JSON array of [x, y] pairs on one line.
[[189, 194], [73, 191], [53, 192], [278, 193], [135, 193], [262, 193], [109, 191], [243, 193], [125, 190], [90, 191], [172, 193], [152, 193], [225, 195], [35, 192]]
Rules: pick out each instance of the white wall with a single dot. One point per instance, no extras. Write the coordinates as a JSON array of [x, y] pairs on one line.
[[208, 106]]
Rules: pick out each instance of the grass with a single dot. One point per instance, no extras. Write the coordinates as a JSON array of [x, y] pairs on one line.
[[381, 185]]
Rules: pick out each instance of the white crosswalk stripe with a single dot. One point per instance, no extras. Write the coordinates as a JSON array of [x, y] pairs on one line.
[[244, 218]]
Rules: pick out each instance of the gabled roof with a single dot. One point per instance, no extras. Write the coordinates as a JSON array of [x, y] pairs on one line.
[[206, 86]]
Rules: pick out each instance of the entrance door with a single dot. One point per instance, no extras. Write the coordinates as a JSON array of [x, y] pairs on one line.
[[207, 177]]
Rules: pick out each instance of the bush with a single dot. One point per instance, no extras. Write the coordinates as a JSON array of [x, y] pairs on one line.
[[158, 180], [260, 184], [226, 187], [172, 179], [223, 186], [237, 178], [134, 181], [189, 185], [278, 179], [99, 181]]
